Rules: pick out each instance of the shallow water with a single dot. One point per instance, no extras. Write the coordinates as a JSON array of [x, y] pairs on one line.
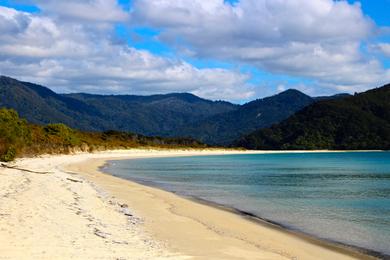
[[343, 197]]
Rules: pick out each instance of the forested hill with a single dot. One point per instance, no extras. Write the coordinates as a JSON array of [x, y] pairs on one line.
[[226, 127], [361, 121], [148, 115], [170, 115]]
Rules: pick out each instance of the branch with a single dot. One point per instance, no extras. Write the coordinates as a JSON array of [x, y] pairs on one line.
[[74, 180], [21, 169]]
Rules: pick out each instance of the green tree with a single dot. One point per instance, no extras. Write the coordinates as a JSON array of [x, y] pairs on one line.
[[14, 134], [62, 134]]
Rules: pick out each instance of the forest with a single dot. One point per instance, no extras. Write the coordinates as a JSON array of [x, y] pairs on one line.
[[359, 122]]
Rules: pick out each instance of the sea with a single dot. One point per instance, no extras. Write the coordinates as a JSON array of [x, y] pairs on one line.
[[342, 197]]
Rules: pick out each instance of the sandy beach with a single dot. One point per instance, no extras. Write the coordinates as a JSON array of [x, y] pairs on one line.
[[63, 207]]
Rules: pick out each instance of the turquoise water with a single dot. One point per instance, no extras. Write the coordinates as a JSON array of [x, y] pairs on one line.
[[343, 197]]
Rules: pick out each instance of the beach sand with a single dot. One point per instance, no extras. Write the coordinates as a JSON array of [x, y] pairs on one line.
[[67, 209]]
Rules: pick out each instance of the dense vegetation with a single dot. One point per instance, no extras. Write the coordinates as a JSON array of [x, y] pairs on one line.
[[148, 115], [14, 134], [357, 122], [224, 128], [18, 138], [213, 122]]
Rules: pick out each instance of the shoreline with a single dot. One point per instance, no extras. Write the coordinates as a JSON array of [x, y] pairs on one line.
[[355, 251], [333, 245], [336, 247], [62, 206]]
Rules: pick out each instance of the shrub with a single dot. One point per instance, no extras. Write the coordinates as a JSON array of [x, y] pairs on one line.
[[9, 155], [14, 134], [62, 134]]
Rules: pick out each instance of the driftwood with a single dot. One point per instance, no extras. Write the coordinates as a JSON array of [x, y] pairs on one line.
[[21, 169], [74, 180]]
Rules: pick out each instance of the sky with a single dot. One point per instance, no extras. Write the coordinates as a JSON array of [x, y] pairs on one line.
[[236, 50]]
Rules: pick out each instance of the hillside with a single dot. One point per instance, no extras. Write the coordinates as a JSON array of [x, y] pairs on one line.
[[225, 128], [170, 115], [40, 105], [356, 122], [148, 115], [152, 115]]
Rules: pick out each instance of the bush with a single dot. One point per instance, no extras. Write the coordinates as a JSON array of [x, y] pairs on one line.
[[9, 155], [63, 134], [14, 134]]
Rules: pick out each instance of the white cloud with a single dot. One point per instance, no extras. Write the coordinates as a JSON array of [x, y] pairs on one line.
[[69, 58], [38, 37], [317, 39], [281, 88], [87, 10], [384, 48], [71, 46]]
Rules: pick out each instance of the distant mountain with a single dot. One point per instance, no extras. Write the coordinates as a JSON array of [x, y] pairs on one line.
[[152, 115], [226, 127], [40, 105], [148, 115], [361, 121], [337, 96], [170, 115]]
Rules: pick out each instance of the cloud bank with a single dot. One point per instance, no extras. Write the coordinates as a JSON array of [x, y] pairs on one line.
[[71, 56], [72, 46], [320, 40]]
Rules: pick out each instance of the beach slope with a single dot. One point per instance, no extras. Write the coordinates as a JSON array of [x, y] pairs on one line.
[[62, 207]]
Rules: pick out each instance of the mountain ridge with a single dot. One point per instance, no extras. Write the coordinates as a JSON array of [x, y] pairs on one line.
[[167, 115], [225, 128], [359, 122], [41, 105]]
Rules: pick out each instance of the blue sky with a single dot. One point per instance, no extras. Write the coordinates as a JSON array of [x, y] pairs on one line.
[[377, 10], [235, 50]]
